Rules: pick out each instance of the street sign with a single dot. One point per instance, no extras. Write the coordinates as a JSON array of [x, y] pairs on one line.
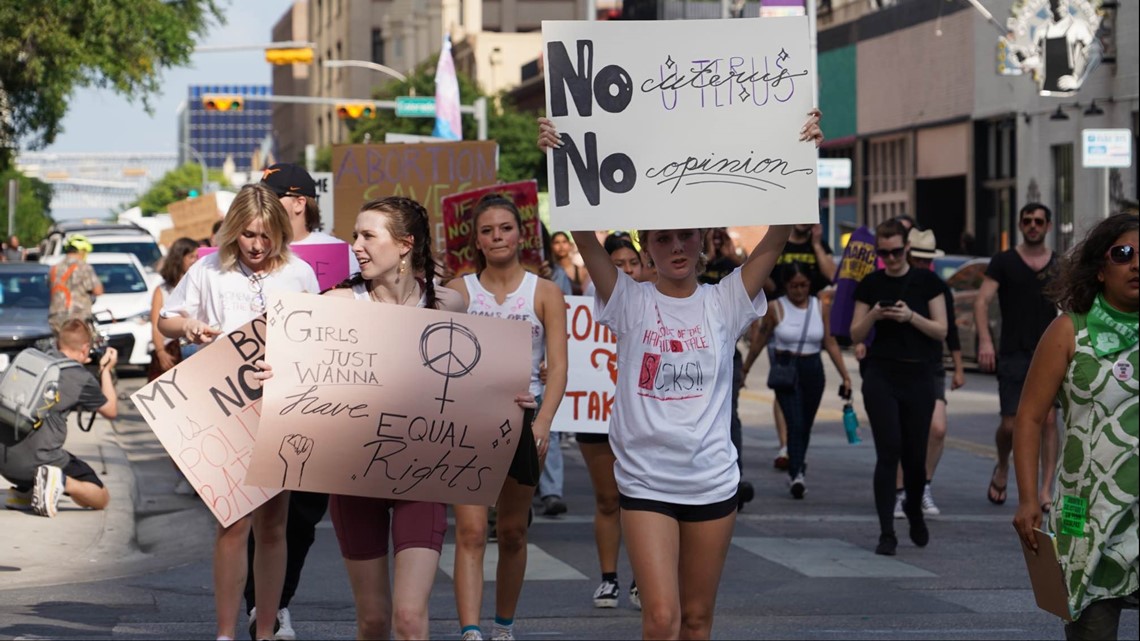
[[415, 106], [834, 173], [1106, 148]]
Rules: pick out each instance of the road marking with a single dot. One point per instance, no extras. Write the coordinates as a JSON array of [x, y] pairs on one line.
[[828, 558], [540, 566]]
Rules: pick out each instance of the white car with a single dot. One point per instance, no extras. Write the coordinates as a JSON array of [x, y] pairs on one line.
[[123, 311], [104, 238]]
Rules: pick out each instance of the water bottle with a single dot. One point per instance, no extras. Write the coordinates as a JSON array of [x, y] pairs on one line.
[[851, 424]]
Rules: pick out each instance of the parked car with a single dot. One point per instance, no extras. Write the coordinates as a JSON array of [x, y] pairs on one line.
[[964, 275], [122, 313], [104, 237], [24, 299]]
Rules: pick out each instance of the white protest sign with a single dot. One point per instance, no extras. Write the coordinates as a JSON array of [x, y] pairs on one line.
[[663, 121], [591, 378], [324, 180]]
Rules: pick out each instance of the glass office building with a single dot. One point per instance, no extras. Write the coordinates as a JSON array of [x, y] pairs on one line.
[[217, 135]]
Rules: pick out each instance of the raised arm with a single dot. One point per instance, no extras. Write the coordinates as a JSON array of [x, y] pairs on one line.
[[760, 262]]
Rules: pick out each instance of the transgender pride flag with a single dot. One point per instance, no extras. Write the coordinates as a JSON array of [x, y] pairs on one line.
[[447, 123]]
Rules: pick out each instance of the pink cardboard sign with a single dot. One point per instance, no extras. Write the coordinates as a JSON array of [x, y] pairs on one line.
[[591, 378], [205, 413], [389, 401], [460, 256], [328, 260]]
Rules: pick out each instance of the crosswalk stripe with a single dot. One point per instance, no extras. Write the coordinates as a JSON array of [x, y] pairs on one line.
[[540, 566], [828, 558]]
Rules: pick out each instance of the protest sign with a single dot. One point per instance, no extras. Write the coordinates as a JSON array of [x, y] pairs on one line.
[[591, 377], [192, 217], [325, 199], [205, 413], [665, 120], [423, 411], [858, 261], [457, 224], [328, 260], [424, 172]]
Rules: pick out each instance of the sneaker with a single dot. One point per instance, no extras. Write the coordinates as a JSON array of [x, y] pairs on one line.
[[634, 595], [900, 498], [499, 633], [285, 630], [606, 596], [928, 506], [276, 624], [553, 505], [887, 545], [183, 488], [18, 500], [472, 635], [47, 490], [798, 487], [781, 462]]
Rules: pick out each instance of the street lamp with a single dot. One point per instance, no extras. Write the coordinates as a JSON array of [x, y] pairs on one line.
[[201, 163], [375, 66]]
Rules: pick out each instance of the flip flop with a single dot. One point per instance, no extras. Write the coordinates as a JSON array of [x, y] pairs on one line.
[[996, 490]]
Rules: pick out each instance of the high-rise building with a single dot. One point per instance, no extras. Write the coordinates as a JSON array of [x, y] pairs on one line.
[[292, 125], [238, 130]]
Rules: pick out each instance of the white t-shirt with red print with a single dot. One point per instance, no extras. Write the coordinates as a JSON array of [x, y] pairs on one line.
[[671, 419]]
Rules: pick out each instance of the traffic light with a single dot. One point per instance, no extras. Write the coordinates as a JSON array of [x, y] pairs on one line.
[[355, 110], [222, 103], [289, 56]]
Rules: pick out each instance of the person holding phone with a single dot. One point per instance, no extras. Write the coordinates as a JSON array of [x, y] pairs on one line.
[[1088, 359], [906, 308]]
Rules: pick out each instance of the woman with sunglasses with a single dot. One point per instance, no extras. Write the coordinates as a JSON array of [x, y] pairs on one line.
[[502, 288], [906, 308], [675, 464], [219, 294], [1088, 359]]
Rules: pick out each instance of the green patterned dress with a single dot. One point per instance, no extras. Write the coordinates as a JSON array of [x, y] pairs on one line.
[[1098, 464]]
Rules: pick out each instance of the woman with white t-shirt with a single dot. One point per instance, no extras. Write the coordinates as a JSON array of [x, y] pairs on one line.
[[675, 463], [502, 288], [219, 294]]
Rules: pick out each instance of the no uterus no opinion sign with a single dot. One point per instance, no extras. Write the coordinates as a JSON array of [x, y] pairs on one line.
[[667, 122]]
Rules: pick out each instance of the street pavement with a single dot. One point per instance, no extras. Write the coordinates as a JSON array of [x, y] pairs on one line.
[[796, 569]]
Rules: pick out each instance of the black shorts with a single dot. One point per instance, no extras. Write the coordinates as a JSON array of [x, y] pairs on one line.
[[525, 467], [77, 469], [592, 437], [679, 512], [1011, 371]]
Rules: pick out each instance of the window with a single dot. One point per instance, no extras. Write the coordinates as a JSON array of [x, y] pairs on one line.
[[378, 46], [887, 178], [1063, 195]]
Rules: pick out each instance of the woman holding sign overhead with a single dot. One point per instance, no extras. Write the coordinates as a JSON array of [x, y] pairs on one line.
[[219, 294], [675, 463], [503, 289]]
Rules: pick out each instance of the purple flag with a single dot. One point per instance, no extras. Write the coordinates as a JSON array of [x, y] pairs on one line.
[[858, 261], [447, 123]]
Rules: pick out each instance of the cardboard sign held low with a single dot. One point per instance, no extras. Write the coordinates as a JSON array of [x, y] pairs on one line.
[[591, 377], [205, 413], [390, 401], [458, 226]]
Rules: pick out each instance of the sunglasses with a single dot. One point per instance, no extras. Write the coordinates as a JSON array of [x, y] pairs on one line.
[[897, 252], [1034, 222], [1121, 254]]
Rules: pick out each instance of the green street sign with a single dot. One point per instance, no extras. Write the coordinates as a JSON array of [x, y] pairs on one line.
[[415, 106]]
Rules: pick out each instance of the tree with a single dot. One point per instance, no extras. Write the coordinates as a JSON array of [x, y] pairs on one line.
[[175, 185], [48, 48], [32, 205], [515, 131]]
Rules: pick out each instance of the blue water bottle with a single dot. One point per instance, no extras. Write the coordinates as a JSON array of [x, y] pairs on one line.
[[851, 424]]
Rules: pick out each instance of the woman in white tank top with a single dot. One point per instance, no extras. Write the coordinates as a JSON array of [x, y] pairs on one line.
[[782, 330], [503, 289]]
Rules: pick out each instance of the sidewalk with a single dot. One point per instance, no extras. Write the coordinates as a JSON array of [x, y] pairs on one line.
[[144, 528]]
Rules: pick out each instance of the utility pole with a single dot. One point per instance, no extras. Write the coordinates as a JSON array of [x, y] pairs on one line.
[[13, 196]]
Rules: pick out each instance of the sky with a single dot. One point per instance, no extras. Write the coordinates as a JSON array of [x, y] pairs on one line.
[[99, 120]]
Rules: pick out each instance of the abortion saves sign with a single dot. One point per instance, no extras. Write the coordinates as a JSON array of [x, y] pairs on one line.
[[664, 120]]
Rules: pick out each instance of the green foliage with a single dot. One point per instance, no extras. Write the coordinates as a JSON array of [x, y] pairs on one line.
[[174, 186], [515, 131], [32, 205], [48, 48]]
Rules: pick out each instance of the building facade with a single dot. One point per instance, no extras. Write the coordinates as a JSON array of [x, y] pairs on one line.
[[292, 125], [239, 136]]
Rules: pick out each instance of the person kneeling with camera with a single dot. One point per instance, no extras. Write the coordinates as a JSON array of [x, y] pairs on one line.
[[34, 458]]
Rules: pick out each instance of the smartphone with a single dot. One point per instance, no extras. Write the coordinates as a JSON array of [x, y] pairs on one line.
[[886, 302]]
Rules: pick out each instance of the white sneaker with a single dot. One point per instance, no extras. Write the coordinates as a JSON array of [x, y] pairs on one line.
[[928, 506], [900, 497], [606, 596], [499, 633], [798, 487], [634, 595], [472, 635], [47, 490], [285, 630]]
